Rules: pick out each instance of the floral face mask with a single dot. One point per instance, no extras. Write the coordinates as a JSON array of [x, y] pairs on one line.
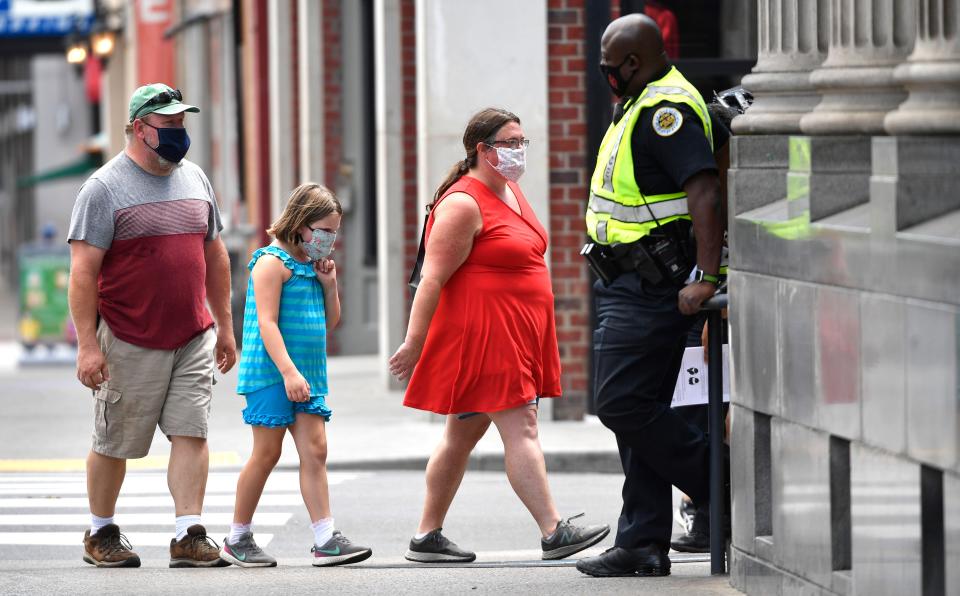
[[320, 245], [511, 163]]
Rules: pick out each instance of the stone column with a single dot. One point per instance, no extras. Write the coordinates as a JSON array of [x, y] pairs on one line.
[[868, 39], [391, 271], [450, 89], [194, 76], [280, 57], [793, 42], [931, 75], [310, 78]]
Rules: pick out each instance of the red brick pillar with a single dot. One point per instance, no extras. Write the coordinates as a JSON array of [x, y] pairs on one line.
[[413, 217], [569, 180], [332, 110], [332, 92]]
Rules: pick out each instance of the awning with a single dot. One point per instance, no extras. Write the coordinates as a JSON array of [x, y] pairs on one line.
[[82, 166]]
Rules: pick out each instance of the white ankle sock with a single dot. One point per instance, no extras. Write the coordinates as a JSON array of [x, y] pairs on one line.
[[420, 535], [236, 531], [184, 522], [322, 530], [98, 522]]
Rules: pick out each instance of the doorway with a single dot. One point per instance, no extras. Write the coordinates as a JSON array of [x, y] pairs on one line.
[[356, 182]]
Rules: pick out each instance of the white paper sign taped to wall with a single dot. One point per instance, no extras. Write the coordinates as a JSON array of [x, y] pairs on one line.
[[693, 383]]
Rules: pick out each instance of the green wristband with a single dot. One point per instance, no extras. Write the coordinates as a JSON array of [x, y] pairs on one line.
[[701, 276]]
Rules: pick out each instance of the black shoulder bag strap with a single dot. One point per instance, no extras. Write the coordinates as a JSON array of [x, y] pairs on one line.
[[414, 280]]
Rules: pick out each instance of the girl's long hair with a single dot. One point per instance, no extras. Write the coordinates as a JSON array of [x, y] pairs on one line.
[[308, 202]]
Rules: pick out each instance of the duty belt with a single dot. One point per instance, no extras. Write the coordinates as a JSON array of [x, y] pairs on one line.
[[658, 258]]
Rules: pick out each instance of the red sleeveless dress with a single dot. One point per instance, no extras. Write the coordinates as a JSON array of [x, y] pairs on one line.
[[492, 343]]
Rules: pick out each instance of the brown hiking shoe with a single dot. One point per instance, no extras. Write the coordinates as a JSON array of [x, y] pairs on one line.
[[109, 548], [195, 550]]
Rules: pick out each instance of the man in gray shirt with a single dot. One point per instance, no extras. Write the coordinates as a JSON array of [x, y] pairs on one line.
[[146, 258]]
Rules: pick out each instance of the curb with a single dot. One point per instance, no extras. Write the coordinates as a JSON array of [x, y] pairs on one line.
[[589, 462]]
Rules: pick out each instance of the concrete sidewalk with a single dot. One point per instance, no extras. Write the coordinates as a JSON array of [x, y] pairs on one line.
[[9, 312], [371, 429], [47, 424]]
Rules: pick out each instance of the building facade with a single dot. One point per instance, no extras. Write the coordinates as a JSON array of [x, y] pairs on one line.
[[845, 278], [844, 218], [370, 97]]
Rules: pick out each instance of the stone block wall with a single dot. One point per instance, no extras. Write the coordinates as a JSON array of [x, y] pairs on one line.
[[845, 302], [846, 374]]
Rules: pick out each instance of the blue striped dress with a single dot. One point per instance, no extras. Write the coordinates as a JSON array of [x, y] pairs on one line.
[[303, 325]]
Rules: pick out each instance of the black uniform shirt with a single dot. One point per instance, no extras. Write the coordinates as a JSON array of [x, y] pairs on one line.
[[663, 161]]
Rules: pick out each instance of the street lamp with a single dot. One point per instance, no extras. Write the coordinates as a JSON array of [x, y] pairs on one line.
[[103, 33], [102, 42], [76, 49]]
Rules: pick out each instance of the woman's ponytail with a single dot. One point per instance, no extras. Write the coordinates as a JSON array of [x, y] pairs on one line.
[[456, 172]]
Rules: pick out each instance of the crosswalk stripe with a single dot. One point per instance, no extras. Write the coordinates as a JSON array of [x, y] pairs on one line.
[[158, 487], [145, 484], [51, 509], [151, 462], [137, 539], [127, 503], [220, 518]]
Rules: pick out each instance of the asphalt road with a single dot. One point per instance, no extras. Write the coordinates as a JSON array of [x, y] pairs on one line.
[[45, 434], [42, 518]]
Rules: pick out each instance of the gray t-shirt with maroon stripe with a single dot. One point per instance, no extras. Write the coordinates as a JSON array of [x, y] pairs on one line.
[[152, 283], [121, 184]]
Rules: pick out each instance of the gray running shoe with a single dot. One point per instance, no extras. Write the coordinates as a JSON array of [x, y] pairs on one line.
[[569, 538], [338, 551], [435, 548], [245, 553]]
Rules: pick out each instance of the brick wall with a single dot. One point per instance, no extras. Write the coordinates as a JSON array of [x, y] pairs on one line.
[[408, 60], [332, 123], [568, 191], [295, 91], [333, 92]]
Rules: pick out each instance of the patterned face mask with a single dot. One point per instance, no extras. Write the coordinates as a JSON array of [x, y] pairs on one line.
[[320, 245], [511, 163]]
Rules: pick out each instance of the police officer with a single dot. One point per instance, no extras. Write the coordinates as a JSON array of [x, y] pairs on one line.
[[654, 214]]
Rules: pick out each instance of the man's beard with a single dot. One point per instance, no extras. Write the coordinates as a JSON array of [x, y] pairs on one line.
[[162, 162], [165, 163]]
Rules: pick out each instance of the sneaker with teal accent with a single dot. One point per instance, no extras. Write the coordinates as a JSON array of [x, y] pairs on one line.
[[245, 552], [338, 551]]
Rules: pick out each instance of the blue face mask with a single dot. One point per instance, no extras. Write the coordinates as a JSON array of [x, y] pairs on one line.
[[173, 143]]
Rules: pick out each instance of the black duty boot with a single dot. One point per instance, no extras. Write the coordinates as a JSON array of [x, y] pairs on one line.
[[645, 561]]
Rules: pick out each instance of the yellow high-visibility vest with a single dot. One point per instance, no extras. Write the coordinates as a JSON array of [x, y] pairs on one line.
[[618, 213]]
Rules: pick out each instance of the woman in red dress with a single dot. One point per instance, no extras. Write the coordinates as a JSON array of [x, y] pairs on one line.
[[481, 345]]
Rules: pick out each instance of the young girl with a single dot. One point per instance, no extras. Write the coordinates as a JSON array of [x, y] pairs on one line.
[[291, 302]]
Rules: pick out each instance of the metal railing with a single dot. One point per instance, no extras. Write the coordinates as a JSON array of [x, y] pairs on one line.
[[718, 538]]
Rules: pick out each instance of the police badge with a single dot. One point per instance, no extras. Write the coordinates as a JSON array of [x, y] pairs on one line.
[[667, 121]]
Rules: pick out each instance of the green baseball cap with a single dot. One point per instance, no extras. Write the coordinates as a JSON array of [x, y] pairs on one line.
[[157, 98]]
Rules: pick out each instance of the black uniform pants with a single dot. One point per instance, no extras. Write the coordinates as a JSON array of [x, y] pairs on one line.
[[638, 348]]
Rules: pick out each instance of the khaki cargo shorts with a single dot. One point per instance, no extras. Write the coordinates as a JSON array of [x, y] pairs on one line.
[[147, 388]]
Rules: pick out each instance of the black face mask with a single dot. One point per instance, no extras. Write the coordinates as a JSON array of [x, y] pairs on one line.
[[173, 143], [617, 83]]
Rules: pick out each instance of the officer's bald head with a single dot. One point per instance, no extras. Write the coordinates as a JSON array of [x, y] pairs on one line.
[[636, 35]]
